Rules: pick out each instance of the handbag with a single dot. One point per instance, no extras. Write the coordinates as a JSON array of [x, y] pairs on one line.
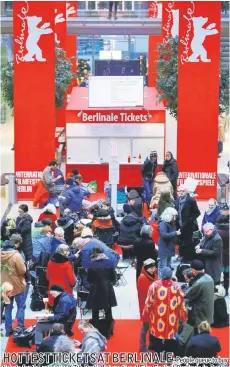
[[185, 332]]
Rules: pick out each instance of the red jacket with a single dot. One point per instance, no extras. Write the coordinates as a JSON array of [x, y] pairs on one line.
[[144, 281], [165, 307], [60, 271]]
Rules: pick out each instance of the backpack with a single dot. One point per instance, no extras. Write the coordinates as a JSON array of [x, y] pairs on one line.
[[24, 337], [37, 303]]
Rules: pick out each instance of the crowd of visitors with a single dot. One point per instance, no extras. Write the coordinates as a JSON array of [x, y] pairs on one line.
[[78, 244]]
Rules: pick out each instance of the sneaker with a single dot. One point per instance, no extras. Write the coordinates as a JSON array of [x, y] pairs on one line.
[[8, 333]]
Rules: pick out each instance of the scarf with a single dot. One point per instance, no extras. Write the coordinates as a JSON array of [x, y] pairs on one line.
[[182, 200], [209, 211]]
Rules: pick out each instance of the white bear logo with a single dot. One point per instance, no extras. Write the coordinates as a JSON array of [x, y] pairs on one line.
[[200, 34], [34, 34], [175, 26], [59, 18]]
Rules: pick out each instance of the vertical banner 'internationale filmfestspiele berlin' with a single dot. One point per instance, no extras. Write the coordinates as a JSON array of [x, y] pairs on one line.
[[197, 26]]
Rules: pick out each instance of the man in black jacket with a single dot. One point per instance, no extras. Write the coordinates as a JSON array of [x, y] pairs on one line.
[[64, 311], [148, 172], [188, 212]]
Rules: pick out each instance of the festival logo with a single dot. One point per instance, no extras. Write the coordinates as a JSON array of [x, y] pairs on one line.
[[194, 50], [31, 23], [153, 9], [59, 18], [171, 26]]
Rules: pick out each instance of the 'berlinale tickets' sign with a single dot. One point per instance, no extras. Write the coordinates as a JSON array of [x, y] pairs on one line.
[[140, 116]]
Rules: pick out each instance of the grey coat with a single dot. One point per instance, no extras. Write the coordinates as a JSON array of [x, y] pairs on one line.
[[211, 255], [201, 298], [167, 239]]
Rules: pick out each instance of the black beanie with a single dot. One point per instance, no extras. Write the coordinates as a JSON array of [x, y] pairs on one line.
[[197, 265], [57, 288]]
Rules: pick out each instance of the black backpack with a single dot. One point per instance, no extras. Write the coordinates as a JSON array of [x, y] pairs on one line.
[[179, 272], [37, 303], [24, 337]]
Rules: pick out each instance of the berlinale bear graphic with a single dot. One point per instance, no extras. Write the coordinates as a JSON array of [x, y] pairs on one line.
[[200, 34], [34, 34]]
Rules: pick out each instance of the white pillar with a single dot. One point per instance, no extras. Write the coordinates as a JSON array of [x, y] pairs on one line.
[[171, 134]]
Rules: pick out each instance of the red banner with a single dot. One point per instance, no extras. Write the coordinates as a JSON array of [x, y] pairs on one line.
[[198, 93], [153, 9], [170, 20], [34, 92]]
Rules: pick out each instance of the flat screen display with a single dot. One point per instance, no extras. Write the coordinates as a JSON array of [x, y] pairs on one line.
[[116, 91], [117, 67]]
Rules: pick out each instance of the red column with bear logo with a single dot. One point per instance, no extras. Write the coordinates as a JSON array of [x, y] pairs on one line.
[[198, 93], [34, 92]]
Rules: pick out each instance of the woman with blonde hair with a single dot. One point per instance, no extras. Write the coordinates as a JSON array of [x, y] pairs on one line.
[[161, 184], [203, 345], [93, 341], [60, 270]]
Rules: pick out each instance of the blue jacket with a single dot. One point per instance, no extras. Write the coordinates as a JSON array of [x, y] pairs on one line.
[[210, 218], [54, 243], [113, 257], [203, 345], [130, 228], [64, 308], [41, 243], [61, 181], [167, 238], [74, 197]]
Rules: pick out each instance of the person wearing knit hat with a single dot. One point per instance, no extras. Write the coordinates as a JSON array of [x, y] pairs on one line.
[[147, 277], [165, 308], [197, 265], [170, 168], [200, 296], [64, 312], [148, 173]]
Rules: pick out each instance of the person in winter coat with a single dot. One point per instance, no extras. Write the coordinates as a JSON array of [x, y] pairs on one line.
[[167, 238], [16, 239], [161, 184], [203, 345], [42, 242], [188, 212], [24, 223], [148, 173], [147, 277], [68, 226], [101, 295], [211, 213], [171, 170], [102, 220], [13, 271], [130, 228], [144, 248], [8, 228], [135, 203], [60, 271], [210, 251], [221, 316], [58, 239], [47, 345], [74, 197], [165, 307], [93, 341], [49, 212], [222, 228], [200, 295], [64, 312]]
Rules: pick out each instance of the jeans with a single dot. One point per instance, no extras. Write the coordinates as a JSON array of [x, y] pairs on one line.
[[148, 189], [164, 261], [20, 301], [143, 333], [40, 330]]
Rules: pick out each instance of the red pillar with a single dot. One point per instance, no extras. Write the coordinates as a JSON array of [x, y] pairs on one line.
[[34, 92]]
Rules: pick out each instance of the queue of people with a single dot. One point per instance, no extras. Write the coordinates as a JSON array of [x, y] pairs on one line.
[[78, 236]]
